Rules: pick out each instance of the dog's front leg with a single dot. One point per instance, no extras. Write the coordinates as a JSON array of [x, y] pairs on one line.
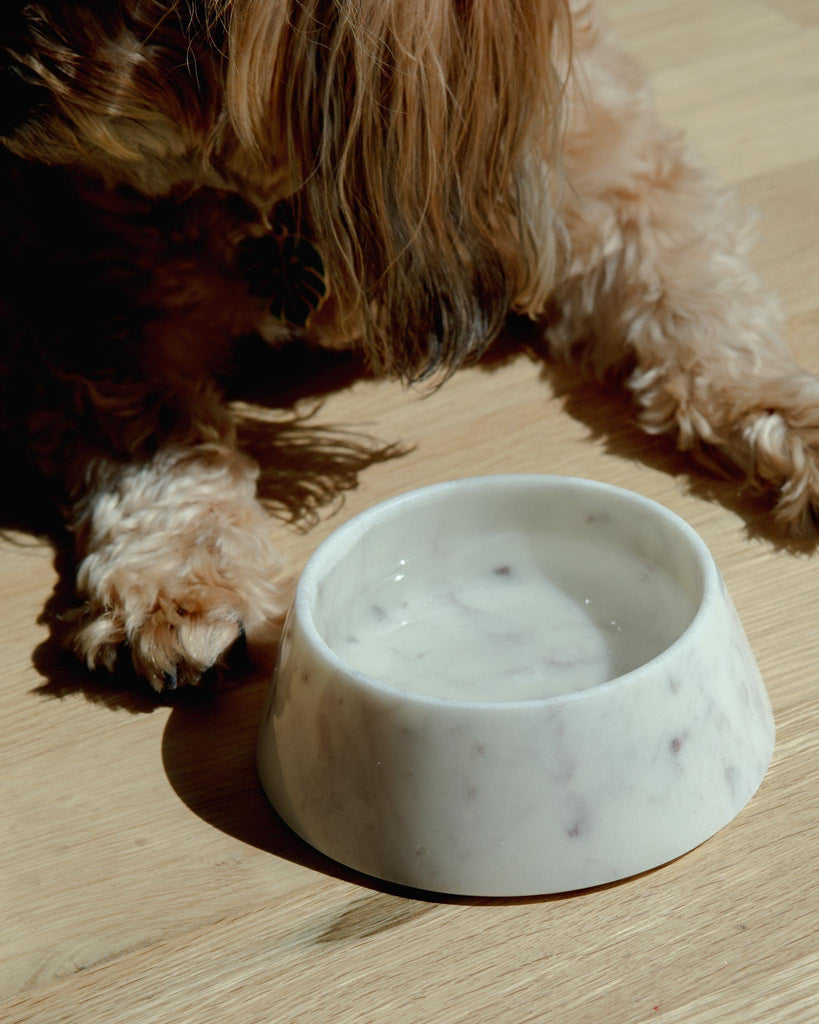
[[657, 287], [175, 562]]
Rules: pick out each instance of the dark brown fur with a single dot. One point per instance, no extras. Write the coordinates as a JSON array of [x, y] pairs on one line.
[[434, 164]]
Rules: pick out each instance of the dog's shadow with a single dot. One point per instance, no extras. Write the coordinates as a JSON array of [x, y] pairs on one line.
[[609, 416], [307, 467], [209, 739]]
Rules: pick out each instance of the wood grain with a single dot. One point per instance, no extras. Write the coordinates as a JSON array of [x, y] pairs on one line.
[[143, 877]]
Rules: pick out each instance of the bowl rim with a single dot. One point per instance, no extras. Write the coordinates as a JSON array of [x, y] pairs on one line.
[[344, 538]]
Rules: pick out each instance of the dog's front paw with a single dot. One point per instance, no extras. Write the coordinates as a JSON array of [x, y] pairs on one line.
[[784, 445], [178, 567], [171, 638]]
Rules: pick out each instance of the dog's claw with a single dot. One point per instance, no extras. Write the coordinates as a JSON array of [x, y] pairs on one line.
[[239, 652], [171, 680]]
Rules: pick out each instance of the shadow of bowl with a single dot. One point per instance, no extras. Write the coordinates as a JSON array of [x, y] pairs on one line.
[[208, 753]]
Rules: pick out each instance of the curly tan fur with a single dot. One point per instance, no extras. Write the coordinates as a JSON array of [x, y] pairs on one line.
[[449, 161]]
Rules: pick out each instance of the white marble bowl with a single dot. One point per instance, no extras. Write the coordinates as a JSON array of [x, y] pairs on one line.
[[512, 685]]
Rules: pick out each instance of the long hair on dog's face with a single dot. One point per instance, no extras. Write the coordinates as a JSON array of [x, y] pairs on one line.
[[416, 138]]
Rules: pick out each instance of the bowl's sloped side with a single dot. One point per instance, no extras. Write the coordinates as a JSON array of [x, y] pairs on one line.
[[518, 799]]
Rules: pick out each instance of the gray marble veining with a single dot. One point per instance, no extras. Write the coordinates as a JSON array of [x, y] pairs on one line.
[[486, 795]]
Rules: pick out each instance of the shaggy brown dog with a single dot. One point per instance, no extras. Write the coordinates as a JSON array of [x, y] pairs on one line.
[[395, 174]]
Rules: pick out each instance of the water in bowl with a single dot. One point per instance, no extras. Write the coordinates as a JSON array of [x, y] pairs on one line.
[[511, 618]]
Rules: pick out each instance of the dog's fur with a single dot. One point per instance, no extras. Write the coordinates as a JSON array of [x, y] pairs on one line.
[[452, 161]]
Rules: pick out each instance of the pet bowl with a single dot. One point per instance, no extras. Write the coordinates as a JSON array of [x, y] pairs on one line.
[[512, 685]]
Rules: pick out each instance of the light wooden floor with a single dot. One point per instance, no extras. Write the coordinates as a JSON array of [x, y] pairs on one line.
[[143, 877]]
